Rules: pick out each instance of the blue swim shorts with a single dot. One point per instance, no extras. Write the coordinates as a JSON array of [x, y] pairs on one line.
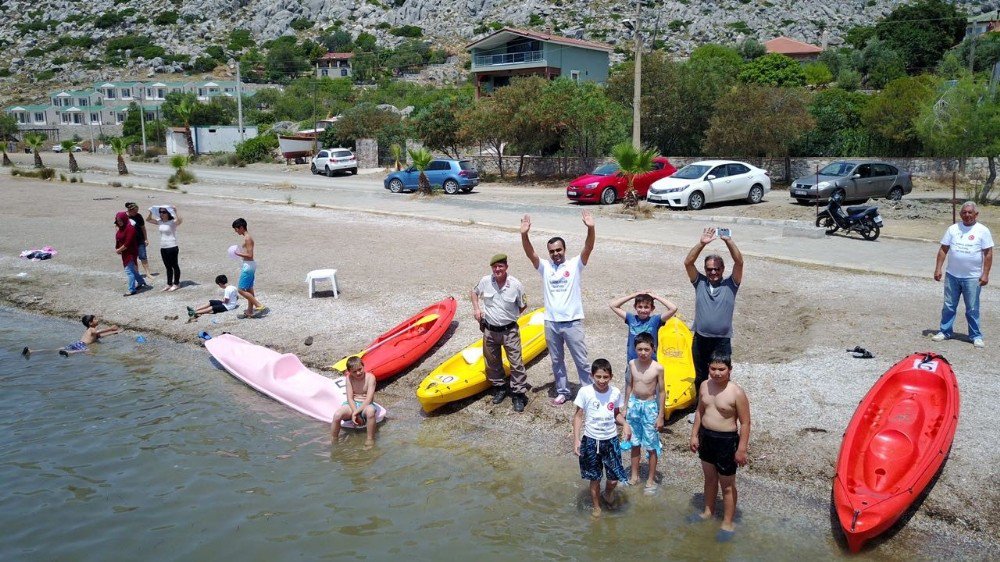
[[247, 273], [641, 416], [601, 457], [361, 413], [78, 346]]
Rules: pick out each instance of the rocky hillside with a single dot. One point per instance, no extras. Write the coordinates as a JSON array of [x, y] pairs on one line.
[[56, 43]]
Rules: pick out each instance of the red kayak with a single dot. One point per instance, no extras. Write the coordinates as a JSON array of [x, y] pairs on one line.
[[895, 444], [400, 347]]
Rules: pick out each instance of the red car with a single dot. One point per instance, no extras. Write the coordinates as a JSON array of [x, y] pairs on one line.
[[605, 185]]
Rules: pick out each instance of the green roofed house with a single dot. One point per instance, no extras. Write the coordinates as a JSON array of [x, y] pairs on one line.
[[511, 52], [29, 115], [983, 23]]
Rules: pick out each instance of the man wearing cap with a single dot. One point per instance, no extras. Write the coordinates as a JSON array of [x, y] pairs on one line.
[[140, 233], [561, 292], [497, 301]]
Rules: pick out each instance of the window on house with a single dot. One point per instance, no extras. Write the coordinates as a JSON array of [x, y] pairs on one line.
[[83, 102], [126, 93], [39, 117], [64, 118], [150, 116], [20, 118], [325, 72], [109, 93], [77, 119], [95, 118], [119, 118], [574, 75], [161, 93], [201, 92], [343, 72]]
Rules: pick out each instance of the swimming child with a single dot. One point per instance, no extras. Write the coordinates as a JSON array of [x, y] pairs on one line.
[[359, 406], [643, 320], [230, 300], [643, 408], [595, 435], [90, 336], [720, 436]]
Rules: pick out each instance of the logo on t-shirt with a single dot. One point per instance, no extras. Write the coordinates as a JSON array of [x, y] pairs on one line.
[[611, 406], [566, 273], [972, 237]]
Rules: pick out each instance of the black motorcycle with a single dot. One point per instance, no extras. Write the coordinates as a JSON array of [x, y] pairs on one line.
[[861, 219]]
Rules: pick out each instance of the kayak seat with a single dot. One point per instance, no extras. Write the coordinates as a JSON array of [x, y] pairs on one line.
[[893, 450], [294, 377]]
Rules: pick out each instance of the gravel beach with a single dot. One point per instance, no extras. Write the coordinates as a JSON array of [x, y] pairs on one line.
[[793, 323]]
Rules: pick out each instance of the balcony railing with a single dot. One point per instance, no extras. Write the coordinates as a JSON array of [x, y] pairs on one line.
[[508, 58]]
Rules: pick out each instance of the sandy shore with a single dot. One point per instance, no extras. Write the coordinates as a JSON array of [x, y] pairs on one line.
[[793, 324]]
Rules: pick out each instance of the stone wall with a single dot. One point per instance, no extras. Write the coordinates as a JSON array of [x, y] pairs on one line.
[[366, 151], [553, 167], [57, 133]]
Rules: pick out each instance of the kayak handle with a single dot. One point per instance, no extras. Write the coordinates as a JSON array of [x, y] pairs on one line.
[[854, 520]]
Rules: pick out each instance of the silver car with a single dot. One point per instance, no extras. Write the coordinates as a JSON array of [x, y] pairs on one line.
[[855, 180]]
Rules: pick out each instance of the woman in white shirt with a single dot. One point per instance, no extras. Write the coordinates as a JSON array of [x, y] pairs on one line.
[[167, 225]]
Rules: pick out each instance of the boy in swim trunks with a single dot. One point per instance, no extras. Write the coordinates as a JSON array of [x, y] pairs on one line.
[[248, 270], [643, 398], [595, 435], [91, 335], [720, 436], [359, 406], [230, 300]]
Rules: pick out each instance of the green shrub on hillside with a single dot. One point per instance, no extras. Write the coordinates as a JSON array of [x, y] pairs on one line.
[[407, 31], [166, 18], [108, 19], [302, 24]]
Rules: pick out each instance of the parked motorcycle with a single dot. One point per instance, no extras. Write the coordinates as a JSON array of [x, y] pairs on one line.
[[861, 219]]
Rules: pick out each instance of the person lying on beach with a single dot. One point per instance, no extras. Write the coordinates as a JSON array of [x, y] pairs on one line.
[[90, 336], [359, 406], [230, 300]]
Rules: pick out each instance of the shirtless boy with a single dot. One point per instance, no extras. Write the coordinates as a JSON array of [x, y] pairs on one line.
[[249, 269], [359, 406], [90, 336], [643, 401], [721, 442]]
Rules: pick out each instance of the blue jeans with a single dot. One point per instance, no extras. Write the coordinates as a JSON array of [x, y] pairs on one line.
[[571, 334], [968, 289], [135, 279]]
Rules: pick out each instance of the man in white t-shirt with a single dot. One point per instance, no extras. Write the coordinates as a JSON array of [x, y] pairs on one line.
[[563, 303], [968, 246]]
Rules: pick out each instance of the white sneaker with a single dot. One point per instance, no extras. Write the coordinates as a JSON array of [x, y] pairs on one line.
[[690, 418], [939, 337], [978, 342]]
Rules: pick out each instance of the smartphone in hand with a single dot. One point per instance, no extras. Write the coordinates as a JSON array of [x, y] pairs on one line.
[[723, 232]]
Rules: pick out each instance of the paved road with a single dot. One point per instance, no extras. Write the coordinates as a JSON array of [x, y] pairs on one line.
[[503, 206]]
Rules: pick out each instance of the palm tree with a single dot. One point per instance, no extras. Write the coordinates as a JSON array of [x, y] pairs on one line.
[[396, 152], [421, 160], [184, 109], [35, 141], [68, 146], [632, 162], [120, 145]]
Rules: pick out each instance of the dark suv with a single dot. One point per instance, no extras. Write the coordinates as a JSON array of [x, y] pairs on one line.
[[451, 175]]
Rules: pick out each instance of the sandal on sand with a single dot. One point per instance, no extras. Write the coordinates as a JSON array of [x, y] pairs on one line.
[[724, 535], [129, 294], [694, 518], [191, 312], [649, 490], [596, 512]]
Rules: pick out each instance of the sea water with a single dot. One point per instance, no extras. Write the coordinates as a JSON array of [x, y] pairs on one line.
[[148, 451]]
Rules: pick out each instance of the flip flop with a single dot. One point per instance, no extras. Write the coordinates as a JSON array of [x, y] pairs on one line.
[[140, 339], [204, 336], [694, 518], [724, 535]]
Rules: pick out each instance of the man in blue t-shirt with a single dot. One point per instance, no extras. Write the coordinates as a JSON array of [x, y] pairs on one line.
[[642, 320], [714, 302]]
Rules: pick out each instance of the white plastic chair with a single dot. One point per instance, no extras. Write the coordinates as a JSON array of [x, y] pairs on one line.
[[319, 275]]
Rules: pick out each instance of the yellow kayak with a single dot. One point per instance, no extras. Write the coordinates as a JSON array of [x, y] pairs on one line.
[[674, 352], [464, 374]]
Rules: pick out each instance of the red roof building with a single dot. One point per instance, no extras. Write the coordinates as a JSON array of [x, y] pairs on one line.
[[334, 65], [792, 48]]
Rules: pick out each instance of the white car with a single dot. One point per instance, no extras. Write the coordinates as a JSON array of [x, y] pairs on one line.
[[710, 181], [59, 148], [330, 160]]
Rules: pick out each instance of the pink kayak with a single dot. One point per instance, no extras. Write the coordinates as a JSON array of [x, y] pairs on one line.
[[282, 377]]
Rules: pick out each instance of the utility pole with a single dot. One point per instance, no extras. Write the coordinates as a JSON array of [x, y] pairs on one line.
[[637, 82], [239, 103], [142, 121]]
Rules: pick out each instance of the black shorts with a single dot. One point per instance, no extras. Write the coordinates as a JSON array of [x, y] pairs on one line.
[[217, 306], [718, 448]]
